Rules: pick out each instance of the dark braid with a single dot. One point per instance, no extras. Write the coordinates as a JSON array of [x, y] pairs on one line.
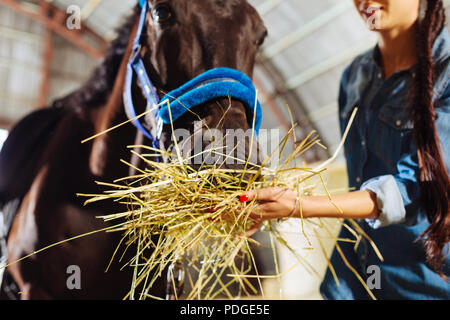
[[434, 179]]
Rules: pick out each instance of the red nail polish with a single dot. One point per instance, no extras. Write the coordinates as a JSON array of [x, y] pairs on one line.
[[244, 198]]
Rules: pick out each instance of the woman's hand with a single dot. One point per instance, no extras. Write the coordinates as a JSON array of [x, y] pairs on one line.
[[278, 203], [274, 203]]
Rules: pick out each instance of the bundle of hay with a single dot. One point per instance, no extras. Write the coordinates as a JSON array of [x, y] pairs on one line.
[[180, 216], [177, 215]]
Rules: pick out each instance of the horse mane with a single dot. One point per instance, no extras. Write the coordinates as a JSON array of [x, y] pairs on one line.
[[96, 90]]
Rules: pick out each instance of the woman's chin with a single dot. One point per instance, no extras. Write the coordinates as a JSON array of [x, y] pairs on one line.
[[373, 25]]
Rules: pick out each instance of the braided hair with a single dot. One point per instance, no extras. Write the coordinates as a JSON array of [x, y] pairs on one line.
[[434, 178]]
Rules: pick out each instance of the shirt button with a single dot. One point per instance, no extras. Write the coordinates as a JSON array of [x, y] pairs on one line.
[[398, 123], [358, 179]]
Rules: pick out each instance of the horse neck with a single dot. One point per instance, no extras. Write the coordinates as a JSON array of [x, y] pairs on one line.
[[109, 148]]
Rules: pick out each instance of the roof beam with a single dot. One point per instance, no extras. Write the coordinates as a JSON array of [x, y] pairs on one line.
[[297, 108], [306, 29], [89, 8], [328, 64], [55, 19], [331, 62], [267, 98], [268, 6]]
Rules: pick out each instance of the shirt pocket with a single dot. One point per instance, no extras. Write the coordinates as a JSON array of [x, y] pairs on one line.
[[393, 134]]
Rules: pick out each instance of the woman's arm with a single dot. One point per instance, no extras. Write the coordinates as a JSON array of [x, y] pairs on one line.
[[276, 203]]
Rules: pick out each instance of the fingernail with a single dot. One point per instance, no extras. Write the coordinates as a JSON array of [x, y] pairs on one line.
[[244, 198], [212, 210]]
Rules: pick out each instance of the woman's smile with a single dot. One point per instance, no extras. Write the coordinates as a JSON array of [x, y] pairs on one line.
[[367, 9]]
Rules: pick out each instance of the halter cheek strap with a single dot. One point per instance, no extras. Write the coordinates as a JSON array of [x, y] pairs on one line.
[[136, 67], [211, 85]]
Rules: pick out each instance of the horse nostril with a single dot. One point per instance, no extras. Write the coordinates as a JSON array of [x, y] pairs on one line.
[[162, 13]]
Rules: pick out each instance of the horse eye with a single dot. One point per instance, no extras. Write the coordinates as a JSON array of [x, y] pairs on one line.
[[262, 39], [162, 13]]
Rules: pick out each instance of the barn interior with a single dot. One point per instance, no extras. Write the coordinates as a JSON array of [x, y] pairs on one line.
[[309, 45]]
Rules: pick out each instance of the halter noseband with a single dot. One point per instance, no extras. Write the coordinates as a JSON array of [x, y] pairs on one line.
[[210, 85]]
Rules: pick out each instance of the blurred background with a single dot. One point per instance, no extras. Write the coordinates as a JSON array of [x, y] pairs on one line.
[[309, 45]]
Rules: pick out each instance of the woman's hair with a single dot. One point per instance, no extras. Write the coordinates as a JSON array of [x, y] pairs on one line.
[[434, 180]]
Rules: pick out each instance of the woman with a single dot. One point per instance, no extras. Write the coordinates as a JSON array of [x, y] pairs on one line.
[[398, 155]]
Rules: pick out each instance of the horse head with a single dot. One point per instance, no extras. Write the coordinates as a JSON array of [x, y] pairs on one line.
[[181, 40], [176, 41], [184, 39]]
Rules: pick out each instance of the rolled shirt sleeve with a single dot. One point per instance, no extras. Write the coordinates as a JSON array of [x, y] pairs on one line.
[[398, 196], [389, 201]]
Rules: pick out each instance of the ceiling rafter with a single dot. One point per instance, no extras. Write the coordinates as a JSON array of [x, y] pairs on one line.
[[55, 19], [306, 29], [300, 114], [330, 63], [268, 6]]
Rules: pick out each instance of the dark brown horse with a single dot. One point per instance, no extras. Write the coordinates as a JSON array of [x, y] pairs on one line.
[[43, 165]]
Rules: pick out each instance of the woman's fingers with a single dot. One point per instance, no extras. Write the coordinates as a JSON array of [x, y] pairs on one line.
[[270, 194], [266, 211], [273, 203], [253, 230]]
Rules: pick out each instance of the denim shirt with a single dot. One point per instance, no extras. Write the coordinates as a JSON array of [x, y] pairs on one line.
[[382, 157]]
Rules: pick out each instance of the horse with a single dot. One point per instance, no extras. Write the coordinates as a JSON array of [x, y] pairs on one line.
[[43, 165]]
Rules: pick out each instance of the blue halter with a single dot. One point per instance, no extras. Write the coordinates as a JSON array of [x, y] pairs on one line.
[[213, 84]]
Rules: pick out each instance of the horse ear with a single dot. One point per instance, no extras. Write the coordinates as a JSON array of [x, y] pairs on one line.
[[112, 112]]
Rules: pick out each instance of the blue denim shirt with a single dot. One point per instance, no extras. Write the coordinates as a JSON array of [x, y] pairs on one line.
[[382, 157]]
